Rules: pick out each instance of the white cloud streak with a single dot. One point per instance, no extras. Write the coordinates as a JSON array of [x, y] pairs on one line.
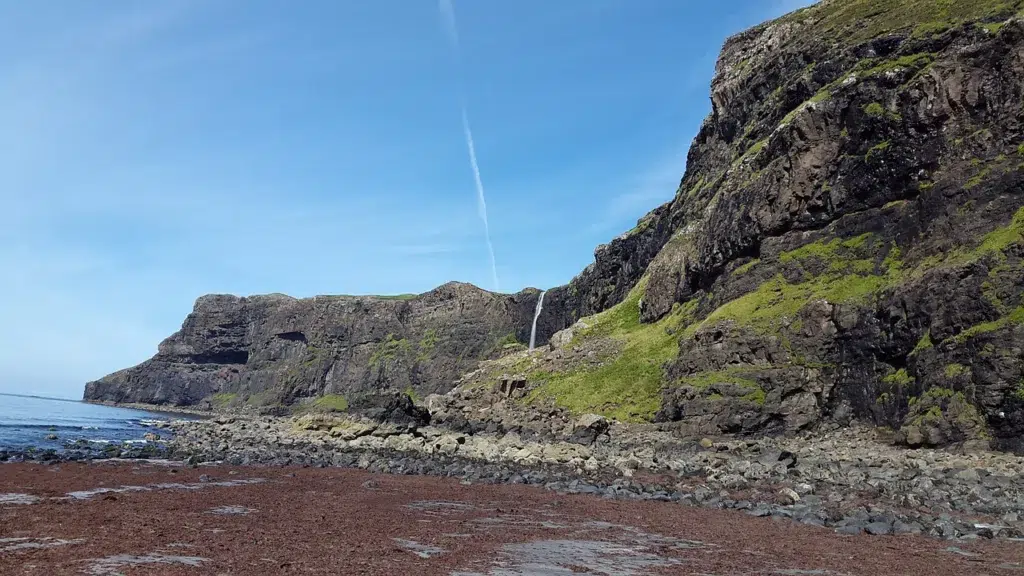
[[451, 28]]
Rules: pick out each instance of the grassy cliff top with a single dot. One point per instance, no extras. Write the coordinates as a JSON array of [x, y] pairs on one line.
[[853, 21]]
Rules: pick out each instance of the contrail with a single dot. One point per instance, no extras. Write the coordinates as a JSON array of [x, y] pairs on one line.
[[448, 15]]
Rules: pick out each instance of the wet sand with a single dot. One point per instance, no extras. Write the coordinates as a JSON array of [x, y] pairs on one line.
[[80, 519]]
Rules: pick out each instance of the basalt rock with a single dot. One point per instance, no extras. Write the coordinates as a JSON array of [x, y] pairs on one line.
[[848, 240], [846, 244], [276, 350], [855, 228]]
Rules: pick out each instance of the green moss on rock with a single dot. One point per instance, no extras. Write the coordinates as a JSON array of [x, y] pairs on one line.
[[923, 344], [877, 150], [850, 278], [390, 349], [397, 296], [223, 400], [330, 403], [874, 110], [955, 370], [1014, 318], [899, 378], [991, 244], [746, 267], [854, 21], [1018, 392]]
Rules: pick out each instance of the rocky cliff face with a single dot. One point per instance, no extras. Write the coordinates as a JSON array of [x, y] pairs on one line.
[[854, 223], [274, 350], [846, 244]]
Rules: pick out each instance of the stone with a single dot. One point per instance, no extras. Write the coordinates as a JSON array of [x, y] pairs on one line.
[[787, 496], [588, 428], [879, 528], [901, 527], [707, 443]]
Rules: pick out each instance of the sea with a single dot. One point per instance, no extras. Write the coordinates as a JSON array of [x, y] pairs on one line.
[[55, 424]]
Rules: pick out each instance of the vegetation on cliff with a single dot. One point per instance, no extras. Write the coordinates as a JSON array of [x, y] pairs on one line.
[[847, 243]]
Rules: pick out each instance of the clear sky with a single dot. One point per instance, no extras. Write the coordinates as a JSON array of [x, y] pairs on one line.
[[153, 152]]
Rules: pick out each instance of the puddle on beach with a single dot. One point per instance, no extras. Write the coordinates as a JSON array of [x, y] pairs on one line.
[[581, 546], [422, 550], [232, 510], [796, 572], [114, 565], [18, 499], [440, 507], [505, 521], [21, 544], [86, 494], [562, 557]]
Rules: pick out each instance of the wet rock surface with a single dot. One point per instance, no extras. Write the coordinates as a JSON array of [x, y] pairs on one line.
[[474, 530]]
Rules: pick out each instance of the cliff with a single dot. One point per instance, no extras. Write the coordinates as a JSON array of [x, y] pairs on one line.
[[846, 243], [277, 350]]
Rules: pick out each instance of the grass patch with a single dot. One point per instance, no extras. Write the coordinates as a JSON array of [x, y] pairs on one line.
[[877, 150], [992, 28], [628, 387], [330, 403], [223, 400], [875, 66], [777, 299], [729, 377], [854, 21], [390, 349], [508, 340], [849, 278], [955, 370], [1014, 318], [746, 267], [397, 296], [899, 378], [412, 394], [995, 242], [427, 345], [923, 344], [829, 252], [854, 277], [261, 399], [875, 110]]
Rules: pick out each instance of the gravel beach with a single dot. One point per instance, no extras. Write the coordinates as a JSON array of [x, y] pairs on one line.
[[153, 518]]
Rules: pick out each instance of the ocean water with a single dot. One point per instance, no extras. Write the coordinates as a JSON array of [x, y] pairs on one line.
[[29, 421]]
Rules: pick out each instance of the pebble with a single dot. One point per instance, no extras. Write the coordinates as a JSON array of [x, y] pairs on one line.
[[820, 480]]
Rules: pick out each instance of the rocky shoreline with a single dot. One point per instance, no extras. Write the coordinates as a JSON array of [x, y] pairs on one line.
[[846, 480]]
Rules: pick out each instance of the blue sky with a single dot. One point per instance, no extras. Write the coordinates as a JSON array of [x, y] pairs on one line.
[[157, 151]]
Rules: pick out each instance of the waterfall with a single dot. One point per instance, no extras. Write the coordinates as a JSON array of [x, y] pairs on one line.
[[536, 314]]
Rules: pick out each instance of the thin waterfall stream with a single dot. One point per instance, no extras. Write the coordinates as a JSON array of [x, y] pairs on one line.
[[536, 314]]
